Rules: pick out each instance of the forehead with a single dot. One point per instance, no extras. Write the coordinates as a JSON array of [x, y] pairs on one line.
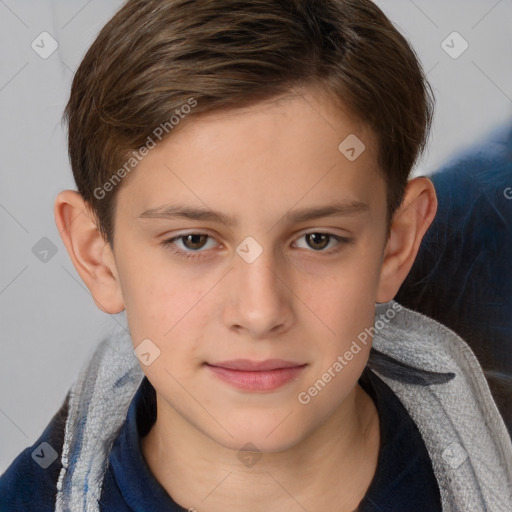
[[299, 148]]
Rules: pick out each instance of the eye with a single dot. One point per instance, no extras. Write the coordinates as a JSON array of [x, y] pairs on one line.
[[190, 243], [318, 241]]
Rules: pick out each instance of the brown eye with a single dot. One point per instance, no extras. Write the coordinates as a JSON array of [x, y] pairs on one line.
[[317, 241], [323, 243], [194, 241], [190, 245]]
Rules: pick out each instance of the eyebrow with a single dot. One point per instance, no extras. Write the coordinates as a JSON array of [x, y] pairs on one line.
[[336, 209]]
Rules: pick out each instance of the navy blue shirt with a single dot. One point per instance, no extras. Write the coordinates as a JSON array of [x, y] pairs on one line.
[[404, 479]]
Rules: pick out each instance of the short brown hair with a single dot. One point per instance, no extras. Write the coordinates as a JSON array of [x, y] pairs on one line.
[[154, 56]]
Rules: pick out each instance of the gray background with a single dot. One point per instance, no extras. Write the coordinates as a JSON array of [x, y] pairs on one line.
[[49, 322]]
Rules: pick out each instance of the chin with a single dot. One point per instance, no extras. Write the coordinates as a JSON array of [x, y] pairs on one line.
[[269, 437]]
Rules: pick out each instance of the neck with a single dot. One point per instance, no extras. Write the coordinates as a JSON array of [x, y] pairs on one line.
[[334, 464]]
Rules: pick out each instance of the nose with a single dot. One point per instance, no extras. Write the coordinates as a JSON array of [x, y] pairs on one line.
[[259, 301]]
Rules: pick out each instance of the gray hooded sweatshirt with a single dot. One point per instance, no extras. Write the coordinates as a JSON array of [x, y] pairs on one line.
[[431, 370]]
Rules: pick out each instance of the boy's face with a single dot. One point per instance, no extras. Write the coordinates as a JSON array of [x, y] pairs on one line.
[[212, 298]]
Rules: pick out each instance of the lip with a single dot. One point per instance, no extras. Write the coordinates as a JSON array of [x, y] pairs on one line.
[[250, 375], [255, 366]]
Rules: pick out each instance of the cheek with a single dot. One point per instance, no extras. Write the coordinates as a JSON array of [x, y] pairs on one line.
[[163, 308], [155, 294], [346, 305], [169, 309], [345, 300]]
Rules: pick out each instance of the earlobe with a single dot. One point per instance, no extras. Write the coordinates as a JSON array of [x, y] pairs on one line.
[[91, 255], [409, 225]]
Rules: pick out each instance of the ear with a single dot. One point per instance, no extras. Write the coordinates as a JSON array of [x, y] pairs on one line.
[[91, 255], [409, 224]]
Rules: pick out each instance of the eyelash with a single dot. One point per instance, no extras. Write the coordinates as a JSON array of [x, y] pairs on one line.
[[189, 255]]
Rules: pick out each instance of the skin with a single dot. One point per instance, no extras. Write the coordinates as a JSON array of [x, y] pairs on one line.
[[294, 302]]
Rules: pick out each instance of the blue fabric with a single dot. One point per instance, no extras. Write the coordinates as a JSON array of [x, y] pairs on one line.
[[462, 276], [25, 485]]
